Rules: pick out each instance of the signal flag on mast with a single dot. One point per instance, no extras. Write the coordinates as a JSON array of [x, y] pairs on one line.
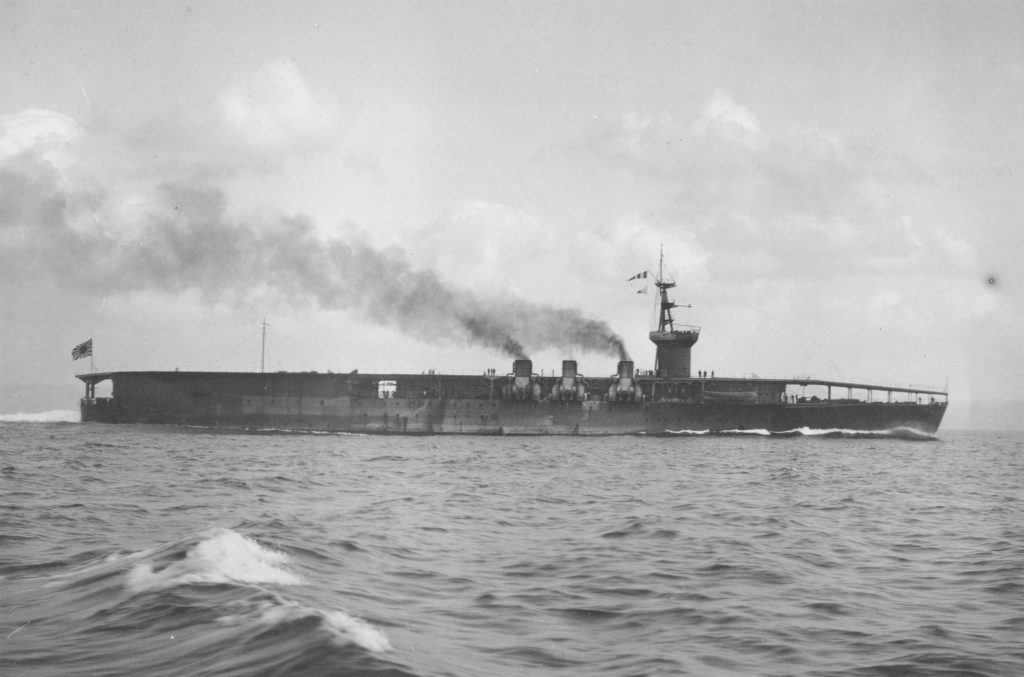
[[82, 350], [638, 276]]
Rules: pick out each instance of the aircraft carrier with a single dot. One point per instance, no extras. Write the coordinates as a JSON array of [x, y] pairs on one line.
[[666, 399]]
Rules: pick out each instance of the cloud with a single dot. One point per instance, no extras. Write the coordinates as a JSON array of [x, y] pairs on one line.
[[813, 250], [43, 132], [178, 237], [781, 199], [261, 122], [725, 118], [276, 111], [35, 161], [488, 243], [502, 250]]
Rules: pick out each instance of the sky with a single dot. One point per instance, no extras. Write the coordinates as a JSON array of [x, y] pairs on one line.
[[403, 186]]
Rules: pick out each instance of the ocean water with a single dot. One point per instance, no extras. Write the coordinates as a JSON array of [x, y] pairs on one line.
[[144, 550]]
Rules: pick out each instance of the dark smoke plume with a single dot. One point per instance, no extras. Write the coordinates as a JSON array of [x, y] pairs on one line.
[[187, 242], [482, 329]]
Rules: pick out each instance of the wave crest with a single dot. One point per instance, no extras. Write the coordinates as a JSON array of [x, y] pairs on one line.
[[52, 416], [224, 557], [339, 624]]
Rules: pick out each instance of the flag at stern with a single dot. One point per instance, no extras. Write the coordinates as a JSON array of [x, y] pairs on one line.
[[82, 350]]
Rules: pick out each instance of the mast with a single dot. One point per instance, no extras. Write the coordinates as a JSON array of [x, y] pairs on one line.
[[665, 321], [673, 343], [263, 345]]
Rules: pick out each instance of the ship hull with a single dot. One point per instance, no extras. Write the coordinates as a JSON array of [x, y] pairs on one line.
[[430, 405]]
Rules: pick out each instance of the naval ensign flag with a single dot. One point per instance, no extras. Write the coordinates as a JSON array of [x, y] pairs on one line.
[[82, 350]]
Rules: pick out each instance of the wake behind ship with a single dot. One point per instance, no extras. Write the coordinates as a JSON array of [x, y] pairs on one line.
[[661, 400]]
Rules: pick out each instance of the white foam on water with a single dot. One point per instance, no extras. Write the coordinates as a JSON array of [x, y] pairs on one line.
[[911, 433], [900, 432], [224, 557], [903, 432], [358, 630], [52, 416], [813, 432], [340, 625]]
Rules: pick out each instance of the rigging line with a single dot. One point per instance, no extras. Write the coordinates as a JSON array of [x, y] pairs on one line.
[[233, 350], [274, 358], [291, 357], [829, 355]]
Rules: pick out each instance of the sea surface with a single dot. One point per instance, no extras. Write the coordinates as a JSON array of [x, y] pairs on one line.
[[148, 550]]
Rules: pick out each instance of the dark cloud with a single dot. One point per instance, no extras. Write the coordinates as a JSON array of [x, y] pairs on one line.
[[183, 240], [29, 193]]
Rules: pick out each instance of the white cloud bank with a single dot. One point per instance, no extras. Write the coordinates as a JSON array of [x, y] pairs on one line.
[[276, 111]]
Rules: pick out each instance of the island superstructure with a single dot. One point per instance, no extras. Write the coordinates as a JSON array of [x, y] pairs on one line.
[[672, 357]]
